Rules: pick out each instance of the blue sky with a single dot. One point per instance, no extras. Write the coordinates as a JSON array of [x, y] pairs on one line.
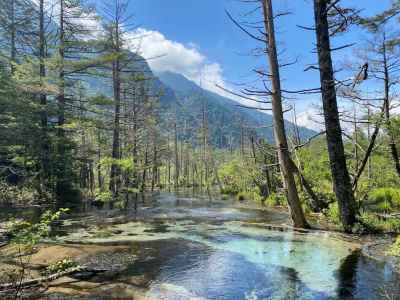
[[196, 35]]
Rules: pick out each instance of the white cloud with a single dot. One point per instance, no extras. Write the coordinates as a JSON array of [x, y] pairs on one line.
[[163, 55], [167, 55], [313, 118]]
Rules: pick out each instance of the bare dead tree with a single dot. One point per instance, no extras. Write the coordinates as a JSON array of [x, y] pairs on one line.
[[340, 175]]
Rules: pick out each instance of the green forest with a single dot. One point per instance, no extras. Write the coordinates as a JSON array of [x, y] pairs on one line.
[[118, 181]]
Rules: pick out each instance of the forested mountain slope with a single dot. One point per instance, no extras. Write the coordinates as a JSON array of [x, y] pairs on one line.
[[226, 120]]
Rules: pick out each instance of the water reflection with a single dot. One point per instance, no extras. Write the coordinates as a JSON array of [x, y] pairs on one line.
[[191, 248]]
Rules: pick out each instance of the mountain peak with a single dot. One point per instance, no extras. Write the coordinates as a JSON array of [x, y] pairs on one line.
[[178, 82]]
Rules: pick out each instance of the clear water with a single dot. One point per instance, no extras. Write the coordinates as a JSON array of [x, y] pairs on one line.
[[192, 248]]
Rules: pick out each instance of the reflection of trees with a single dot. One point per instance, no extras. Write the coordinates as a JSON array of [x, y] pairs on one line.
[[292, 284], [347, 275]]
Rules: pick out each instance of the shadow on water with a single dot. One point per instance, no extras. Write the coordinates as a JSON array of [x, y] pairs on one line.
[[347, 275], [362, 278]]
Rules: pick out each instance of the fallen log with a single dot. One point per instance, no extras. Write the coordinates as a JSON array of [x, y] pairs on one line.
[[52, 277]]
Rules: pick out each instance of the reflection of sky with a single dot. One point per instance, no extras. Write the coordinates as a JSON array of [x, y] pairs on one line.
[[315, 258], [233, 261], [240, 260]]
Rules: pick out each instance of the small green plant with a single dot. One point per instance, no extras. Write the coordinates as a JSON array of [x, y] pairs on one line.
[[275, 199], [103, 196], [60, 266], [333, 213], [27, 233]]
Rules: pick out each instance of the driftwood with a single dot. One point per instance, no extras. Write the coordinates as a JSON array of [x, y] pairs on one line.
[[52, 277]]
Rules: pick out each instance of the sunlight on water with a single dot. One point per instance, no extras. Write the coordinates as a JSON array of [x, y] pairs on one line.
[[215, 253], [315, 258]]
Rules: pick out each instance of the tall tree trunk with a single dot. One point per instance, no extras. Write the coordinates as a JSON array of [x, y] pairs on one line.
[[368, 152], [176, 183], [341, 179], [279, 125], [99, 173], [144, 174], [13, 33], [392, 143], [61, 184], [155, 168], [115, 171], [45, 155]]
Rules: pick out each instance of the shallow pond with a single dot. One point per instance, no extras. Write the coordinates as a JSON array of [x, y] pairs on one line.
[[191, 248]]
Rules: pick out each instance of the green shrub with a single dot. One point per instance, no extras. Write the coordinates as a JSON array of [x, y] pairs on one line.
[[230, 190], [17, 194], [275, 199], [384, 200], [333, 213], [236, 176], [103, 196], [26, 233], [252, 195], [371, 223]]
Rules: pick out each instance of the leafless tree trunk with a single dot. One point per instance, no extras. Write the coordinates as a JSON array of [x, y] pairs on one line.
[[341, 179], [392, 143], [176, 183], [115, 172], [279, 124], [61, 183]]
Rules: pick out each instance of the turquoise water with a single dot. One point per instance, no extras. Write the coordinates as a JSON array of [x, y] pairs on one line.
[[191, 248]]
